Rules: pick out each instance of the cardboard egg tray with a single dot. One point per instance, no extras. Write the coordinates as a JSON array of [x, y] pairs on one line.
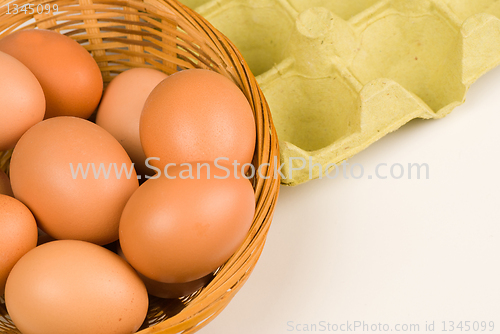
[[341, 74]]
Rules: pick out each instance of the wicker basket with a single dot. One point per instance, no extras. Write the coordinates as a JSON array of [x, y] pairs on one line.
[[168, 36]]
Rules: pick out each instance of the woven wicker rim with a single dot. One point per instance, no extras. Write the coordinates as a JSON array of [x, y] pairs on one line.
[[168, 36]]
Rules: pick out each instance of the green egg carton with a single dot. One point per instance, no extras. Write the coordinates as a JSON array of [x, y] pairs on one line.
[[341, 74]]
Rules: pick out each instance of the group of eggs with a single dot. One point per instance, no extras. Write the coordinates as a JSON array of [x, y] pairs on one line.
[[80, 185]]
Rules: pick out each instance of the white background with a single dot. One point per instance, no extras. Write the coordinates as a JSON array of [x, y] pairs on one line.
[[389, 251]]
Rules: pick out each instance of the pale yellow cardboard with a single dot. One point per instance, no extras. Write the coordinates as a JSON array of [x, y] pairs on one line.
[[341, 74]]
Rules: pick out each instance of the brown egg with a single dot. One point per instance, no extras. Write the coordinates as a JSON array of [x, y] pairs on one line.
[[75, 287], [18, 235], [5, 188], [179, 230], [48, 173], [69, 76], [22, 103], [170, 290], [121, 107], [197, 115]]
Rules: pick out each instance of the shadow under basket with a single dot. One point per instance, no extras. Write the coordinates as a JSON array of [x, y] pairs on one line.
[[169, 37]]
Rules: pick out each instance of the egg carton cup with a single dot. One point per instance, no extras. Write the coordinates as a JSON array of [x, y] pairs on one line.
[[339, 75]]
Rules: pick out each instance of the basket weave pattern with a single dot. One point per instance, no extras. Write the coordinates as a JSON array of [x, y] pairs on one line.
[[167, 36]]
